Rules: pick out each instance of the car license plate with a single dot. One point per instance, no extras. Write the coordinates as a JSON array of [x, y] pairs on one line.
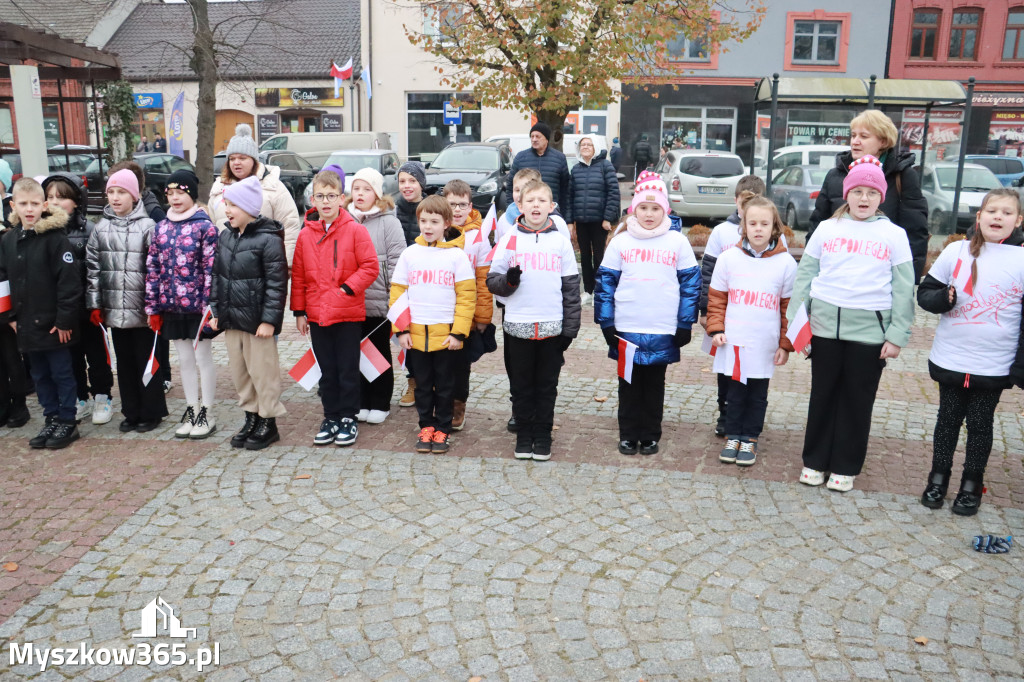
[[710, 189]]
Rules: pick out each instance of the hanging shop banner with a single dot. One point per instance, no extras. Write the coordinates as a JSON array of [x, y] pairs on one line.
[[175, 136], [299, 97], [149, 100], [943, 132]]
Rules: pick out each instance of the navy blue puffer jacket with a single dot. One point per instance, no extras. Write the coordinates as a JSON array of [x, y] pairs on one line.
[[553, 170], [593, 192]]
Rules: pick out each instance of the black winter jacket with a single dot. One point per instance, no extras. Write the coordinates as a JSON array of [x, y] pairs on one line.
[[707, 268], [593, 192], [153, 208], [933, 296], [250, 277], [642, 153], [79, 227], [406, 212], [904, 205], [46, 288], [553, 170]]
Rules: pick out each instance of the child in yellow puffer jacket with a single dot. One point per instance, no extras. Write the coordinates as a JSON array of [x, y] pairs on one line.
[[440, 285]]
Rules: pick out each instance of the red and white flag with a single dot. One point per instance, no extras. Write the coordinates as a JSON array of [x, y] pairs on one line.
[[306, 371], [399, 313], [738, 372], [107, 345], [511, 246], [627, 351], [488, 226], [799, 331], [708, 346], [401, 351], [342, 72], [962, 271], [371, 362], [207, 316], [152, 366], [5, 296]]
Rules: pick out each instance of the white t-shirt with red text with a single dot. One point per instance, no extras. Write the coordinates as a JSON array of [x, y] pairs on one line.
[[981, 333], [725, 236], [753, 322], [545, 258], [856, 260], [647, 296], [431, 272]]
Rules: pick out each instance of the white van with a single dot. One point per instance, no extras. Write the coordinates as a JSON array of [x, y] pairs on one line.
[[316, 147]]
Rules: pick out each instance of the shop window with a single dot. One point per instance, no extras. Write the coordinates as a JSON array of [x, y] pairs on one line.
[[963, 38], [1013, 43], [817, 41], [710, 128], [924, 32], [426, 132]]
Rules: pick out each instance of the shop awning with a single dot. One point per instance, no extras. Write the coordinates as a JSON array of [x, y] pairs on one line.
[[299, 111], [892, 91]]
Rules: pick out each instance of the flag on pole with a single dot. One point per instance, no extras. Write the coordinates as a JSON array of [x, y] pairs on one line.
[[371, 362], [489, 224], [5, 296], [738, 373], [152, 366], [399, 313], [340, 73], [707, 346], [401, 351], [799, 332], [365, 77], [107, 344], [207, 316], [306, 371], [510, 246], [627, 351]]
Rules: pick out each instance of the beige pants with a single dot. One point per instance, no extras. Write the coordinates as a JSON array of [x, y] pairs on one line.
[[257, 374]]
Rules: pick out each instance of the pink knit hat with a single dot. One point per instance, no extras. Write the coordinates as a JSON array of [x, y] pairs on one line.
[[865, 172], [126, 180], [650, 188]]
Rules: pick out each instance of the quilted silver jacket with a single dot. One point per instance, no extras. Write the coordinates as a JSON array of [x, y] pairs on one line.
[[115, 261]]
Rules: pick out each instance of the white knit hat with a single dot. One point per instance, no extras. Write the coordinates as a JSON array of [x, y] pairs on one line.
[[371, 177], [243, 143]]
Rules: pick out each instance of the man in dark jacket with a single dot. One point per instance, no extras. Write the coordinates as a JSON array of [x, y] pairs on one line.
[[642, 153], [160, 144], [904, 204], [551, 163], [615, 154]]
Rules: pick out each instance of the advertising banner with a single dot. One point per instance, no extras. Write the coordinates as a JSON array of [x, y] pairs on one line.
[[1006, 132], [175, 140], [943, 132], [299, 97]]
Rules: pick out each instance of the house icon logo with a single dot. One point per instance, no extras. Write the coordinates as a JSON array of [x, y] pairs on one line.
[[158, 616]]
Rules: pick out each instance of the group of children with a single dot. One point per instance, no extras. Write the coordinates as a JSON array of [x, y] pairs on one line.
[[76, 290]]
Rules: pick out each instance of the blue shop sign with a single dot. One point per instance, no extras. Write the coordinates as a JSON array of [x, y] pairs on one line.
[[149, 100]]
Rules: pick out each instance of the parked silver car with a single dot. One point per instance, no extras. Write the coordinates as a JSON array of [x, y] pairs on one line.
[[701, 184], [794, 192], [938, 182]]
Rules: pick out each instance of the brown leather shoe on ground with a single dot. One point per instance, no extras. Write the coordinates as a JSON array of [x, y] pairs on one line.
[[408, 398], [458, 415]]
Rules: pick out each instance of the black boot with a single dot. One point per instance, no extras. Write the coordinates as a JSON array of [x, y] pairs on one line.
[[64, 434], [18, 416], [720, 424], [263, 435], [541, 442], [969, 498], [934, 495], [524, 442], [44, 434], [238, 440]]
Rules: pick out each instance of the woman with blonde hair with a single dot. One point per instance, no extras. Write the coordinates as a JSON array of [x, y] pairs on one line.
[[873, 133]]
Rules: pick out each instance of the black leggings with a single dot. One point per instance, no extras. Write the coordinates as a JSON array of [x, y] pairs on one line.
[[591, 238], [978, 405]]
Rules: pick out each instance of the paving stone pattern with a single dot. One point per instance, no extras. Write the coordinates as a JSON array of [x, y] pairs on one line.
[[373, 563]]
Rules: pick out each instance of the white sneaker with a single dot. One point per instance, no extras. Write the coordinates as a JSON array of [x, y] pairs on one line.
[[839, 483], [204, 424], [102, 411], [362, 415], [83, 410], [376, 416], [812, 476], [188, 421]]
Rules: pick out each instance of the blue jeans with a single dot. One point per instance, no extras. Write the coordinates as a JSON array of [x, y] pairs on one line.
[[56, 388]]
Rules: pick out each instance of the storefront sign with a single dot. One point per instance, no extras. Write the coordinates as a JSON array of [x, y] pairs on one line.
[[331, 123], [817, 133], [998, 99], [1007, 130], [267, 126], [299, 97], [943, 132], [149, 100]]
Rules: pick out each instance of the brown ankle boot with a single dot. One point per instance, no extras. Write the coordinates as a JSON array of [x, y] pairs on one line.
[[459, 415], [408, 398]]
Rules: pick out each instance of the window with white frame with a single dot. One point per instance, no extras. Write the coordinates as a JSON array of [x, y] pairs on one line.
[[816, 42], [686, 49], [710, 128]]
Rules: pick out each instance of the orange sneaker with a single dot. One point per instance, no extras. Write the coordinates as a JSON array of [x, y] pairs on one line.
[[425, 440], [440, 444]]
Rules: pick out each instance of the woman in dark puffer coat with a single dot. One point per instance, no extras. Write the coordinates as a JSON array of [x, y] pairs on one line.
[[593, 207]]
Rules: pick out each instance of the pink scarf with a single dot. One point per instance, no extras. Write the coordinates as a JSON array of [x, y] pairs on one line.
[[635, 229]]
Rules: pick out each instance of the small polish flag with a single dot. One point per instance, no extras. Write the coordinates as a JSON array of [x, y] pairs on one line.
[[5, 296], [371, 363], [399, 313], [106, 344], [488, 226], [799, 331], [207, 316], [342, 72], [401, 351], [738, 373], [707, 346], [152, 366], [511, 246], [627, 351], [963, 263], [306, 371]]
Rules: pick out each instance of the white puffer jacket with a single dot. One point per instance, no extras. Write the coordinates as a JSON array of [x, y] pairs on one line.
[[277, 205]]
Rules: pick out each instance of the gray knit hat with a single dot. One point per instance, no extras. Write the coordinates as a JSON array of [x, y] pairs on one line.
[[415, 169], [243, 143]]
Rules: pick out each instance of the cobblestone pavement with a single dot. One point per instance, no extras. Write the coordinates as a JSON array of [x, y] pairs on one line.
[[373, 563]]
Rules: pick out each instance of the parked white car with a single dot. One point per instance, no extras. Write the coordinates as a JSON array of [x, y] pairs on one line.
[[701, 184], [938, 182], [820, 155]]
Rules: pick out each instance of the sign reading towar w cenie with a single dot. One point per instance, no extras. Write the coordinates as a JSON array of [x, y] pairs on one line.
[[298, 97]]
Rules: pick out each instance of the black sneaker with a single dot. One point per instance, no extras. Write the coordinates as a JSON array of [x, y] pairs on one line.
[[648, 447], [44, 434], [64, 434], [328, 430], [747, 454], [127, 426], [628, 447], [728, 453], [512, 426], [524, 446], [720, 426], [146, 427], [348, 431], [439, 443]]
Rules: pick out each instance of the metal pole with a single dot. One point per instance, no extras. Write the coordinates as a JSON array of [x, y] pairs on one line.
[[351, 110], [771, 133], [96, 124], [753, 132], [924, 137], [955, 212], [63, 131], [871, 91]]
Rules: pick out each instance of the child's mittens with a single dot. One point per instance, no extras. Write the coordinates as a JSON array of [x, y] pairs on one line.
[[681, 337], [513, 275], [156, 322], [565, 342], [96, 317], [610, 334]]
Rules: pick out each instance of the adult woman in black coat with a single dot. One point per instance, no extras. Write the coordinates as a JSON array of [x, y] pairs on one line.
[[874, 133], [593, 206]]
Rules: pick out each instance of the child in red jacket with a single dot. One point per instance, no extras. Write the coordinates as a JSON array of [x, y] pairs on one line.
[[335, 262]]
